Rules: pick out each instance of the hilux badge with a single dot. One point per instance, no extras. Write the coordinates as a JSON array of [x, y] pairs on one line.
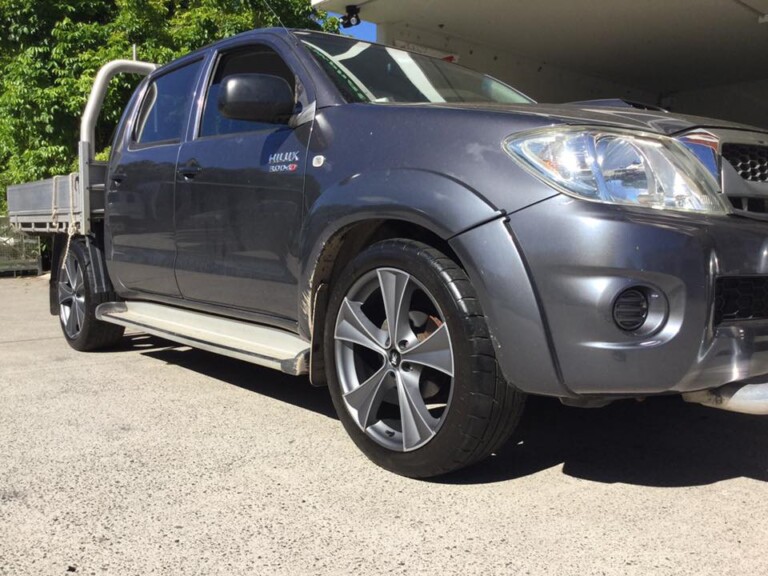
[[284, 162]]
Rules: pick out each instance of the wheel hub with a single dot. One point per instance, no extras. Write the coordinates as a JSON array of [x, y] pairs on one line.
[[394, 358]]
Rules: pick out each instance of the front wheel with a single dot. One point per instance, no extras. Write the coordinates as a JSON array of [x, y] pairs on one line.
[[411, 367], [77, 304]]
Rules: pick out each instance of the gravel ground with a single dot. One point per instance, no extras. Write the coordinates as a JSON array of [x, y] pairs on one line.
[[158, 459]]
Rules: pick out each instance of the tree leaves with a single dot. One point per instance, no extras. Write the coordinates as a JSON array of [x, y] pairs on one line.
[[50, 53]]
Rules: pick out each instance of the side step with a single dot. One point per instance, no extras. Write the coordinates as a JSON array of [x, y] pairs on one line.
[[256, 344]]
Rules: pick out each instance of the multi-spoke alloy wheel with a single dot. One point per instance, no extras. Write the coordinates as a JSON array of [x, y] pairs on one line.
[[410, 363], [393, 352], [72, 297], [77, 303]]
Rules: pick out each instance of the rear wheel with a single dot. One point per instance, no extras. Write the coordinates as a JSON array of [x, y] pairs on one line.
[[411, 367], [78, 302]]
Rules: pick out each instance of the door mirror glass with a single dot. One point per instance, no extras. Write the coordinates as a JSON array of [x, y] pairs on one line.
[[256, 97]]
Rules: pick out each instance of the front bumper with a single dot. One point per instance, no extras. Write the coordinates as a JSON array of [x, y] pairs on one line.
[[579, 256]]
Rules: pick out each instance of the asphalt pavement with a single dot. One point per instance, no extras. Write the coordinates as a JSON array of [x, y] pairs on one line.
[[159, 459]]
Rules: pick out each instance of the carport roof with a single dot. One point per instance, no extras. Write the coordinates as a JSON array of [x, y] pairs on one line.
[[658, 45]]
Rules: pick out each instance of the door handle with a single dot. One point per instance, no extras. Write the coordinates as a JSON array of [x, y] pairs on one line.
[[117, 177], [190, 171]]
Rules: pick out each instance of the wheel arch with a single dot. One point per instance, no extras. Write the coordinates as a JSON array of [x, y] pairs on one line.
[[341, 249], [410, 204], [96, 269]]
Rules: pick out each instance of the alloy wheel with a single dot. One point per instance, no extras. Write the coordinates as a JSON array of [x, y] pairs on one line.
[[71, 292], [394, 359]]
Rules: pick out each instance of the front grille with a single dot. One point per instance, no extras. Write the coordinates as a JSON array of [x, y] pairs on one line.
[[751, 162], [741, 298]]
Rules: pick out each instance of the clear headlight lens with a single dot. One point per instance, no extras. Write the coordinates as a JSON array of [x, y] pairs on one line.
[[619, 167]]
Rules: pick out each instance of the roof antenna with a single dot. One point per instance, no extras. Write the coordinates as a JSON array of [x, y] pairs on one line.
[[266, 3]]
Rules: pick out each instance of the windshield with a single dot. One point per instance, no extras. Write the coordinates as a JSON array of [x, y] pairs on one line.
[[366, 72]]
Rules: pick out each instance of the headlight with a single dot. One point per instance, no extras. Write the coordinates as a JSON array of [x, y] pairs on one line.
[[619, 167]]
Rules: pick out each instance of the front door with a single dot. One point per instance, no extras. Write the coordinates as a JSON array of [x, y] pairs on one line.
[[239, 201]]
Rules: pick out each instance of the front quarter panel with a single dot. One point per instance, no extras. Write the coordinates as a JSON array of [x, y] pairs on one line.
[[441, 169], [465, 146], [431, 201]]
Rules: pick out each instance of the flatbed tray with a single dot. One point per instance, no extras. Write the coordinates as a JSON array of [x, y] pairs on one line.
[[49, 206]]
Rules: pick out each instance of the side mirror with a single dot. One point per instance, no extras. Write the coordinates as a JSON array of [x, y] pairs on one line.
[[256, 97]]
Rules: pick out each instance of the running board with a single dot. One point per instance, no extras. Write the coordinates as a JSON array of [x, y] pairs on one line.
[[256, 344]]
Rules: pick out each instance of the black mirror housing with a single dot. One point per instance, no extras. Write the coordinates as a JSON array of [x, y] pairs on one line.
[[256, 97]]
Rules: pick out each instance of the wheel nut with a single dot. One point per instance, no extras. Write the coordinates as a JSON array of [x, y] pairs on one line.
[[403, 344]]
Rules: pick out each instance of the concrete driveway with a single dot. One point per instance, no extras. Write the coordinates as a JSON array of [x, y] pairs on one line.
[[157, 459]]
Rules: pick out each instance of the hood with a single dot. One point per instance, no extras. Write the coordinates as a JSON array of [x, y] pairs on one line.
[[618, 103], [593, 113]]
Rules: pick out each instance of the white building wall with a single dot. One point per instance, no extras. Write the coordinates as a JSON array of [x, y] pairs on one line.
[[746, 102]]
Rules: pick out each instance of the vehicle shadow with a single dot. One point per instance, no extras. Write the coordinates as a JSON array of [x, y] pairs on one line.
[[138, 341], [661, 442], [295, 390]]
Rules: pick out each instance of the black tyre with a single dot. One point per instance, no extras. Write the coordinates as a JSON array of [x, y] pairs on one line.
[[77, 304], [411, 367]]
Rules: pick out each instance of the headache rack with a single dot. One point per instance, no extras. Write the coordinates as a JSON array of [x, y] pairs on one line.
[[70, 203]]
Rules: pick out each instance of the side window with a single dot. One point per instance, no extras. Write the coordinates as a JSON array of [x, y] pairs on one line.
[[251, 60], [164, 109]]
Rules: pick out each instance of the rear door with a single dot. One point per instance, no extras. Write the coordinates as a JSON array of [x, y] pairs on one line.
[[239, 197], [141, 182]]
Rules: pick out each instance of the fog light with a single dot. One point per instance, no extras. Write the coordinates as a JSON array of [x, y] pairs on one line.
[[630, 310]]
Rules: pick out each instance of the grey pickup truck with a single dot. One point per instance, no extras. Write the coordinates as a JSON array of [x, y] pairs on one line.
[[422, 239]]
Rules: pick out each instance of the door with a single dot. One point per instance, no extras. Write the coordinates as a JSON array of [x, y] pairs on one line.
[[239, 200], [141, 182]]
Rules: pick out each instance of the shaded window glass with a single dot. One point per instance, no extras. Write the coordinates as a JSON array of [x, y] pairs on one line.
[[164, 111]]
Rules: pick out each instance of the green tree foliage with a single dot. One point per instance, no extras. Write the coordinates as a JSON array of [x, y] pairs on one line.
[[51, 50]]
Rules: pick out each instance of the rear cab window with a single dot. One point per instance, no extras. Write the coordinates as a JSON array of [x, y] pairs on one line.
[[164, 109]]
